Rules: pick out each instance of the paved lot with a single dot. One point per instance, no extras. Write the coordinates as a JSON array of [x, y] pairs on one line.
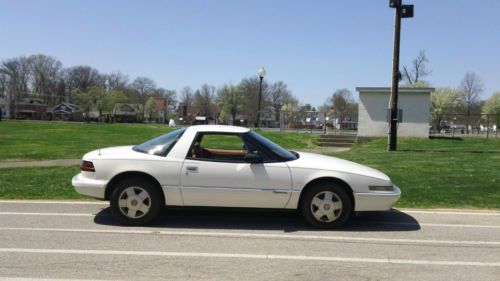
[[79, 240]]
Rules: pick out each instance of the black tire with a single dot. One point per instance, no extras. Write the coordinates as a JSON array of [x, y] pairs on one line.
[[154, 201], [340, 194]]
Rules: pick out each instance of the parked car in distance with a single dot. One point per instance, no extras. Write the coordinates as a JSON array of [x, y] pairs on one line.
[[228, 166]]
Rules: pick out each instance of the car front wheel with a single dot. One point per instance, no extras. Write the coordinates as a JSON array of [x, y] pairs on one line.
[[326, 206], [135, 201]]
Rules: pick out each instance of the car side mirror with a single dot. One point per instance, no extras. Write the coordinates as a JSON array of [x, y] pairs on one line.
[[252, 158]]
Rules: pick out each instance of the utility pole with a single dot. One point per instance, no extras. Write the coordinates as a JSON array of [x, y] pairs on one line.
[[405, 11]]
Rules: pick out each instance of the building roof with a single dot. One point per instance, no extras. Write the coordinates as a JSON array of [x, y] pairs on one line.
[[65, 107], [127, 108], [31, 101], [402, 90]]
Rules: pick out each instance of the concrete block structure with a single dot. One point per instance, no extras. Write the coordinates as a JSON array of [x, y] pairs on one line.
[[373, 106]]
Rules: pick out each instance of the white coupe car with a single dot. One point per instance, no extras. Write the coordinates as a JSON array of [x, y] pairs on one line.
[[227, 166]]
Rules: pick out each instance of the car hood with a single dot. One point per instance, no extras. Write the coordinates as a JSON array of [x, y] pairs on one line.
[[322, 162]]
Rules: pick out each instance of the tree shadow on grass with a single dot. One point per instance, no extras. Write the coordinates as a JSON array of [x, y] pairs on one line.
[[259, 219]]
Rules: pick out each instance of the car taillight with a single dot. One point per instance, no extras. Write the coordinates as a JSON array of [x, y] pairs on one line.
[[87, 166]]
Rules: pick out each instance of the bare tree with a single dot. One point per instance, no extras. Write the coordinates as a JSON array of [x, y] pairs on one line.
[[169, 95], [472, 88], [277, 92], [116, 81], [81, 77], [342, 105], [414, 73], [16, 71], [340, 101], [3, 84], [204, 99], [290, 102], [186, 98], [144, 86], [46, 73], [249, 88]]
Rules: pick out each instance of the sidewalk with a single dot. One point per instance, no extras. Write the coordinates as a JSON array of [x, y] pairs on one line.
[[41, 163]]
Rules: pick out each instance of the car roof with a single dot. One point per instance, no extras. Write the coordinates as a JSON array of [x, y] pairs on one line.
[[218, 128]]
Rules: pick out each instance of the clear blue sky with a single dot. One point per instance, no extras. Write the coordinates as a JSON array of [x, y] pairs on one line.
[[313, 46]]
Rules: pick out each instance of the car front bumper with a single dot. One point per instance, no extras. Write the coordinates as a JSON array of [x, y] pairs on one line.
[[376, 201], [89, 187]]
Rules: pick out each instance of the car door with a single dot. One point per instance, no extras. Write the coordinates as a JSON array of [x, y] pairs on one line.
[[214, 174]]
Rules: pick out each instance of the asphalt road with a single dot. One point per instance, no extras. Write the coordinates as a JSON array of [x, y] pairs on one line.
[[79, 240]]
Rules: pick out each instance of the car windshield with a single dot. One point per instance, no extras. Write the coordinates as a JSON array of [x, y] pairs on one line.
[[276, 149], [161, 145]]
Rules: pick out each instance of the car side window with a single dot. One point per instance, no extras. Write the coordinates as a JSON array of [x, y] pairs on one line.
[[218, 147]]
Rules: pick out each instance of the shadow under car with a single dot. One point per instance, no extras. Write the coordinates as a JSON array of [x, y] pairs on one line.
[[266, 219]]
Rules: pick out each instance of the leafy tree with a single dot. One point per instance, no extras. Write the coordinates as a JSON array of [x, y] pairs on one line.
[[230, 98], [86, 99], [114, 97], [492, 105], [444, 101], [150, 108]]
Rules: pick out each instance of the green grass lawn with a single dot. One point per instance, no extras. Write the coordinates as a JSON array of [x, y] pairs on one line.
[[38, 183], [431, 173], [437, 173], [20, 140]]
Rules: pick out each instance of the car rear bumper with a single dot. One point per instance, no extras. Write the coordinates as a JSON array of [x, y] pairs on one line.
[[89, 187], [376, 201]]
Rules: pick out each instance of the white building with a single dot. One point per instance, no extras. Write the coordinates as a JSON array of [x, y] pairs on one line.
[[374, 105]]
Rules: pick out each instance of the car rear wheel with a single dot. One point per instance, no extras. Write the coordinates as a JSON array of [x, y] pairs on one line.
[[326, 206], [135, 201]]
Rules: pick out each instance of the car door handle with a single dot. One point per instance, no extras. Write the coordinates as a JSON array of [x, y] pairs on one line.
[[191, 169]]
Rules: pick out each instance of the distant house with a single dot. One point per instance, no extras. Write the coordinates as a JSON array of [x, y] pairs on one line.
[[30, 108], [373, 111], [65, 111], [161, 108], [4, 106], [128, 112], [346, 121], [187, 114], [268, 117]]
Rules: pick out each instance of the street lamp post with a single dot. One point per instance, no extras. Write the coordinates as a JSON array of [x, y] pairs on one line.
[[405, 11], [262, 73]]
